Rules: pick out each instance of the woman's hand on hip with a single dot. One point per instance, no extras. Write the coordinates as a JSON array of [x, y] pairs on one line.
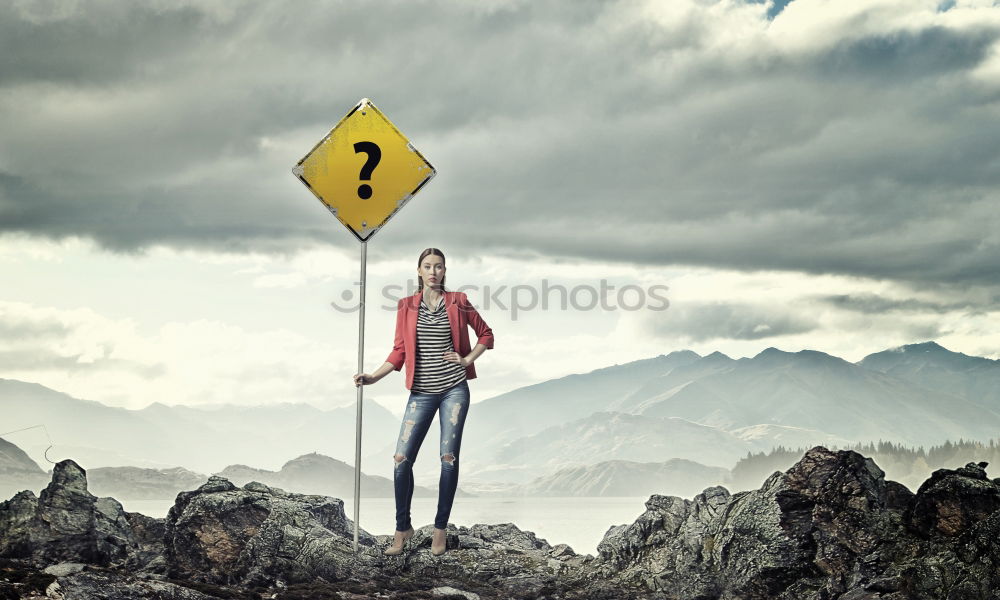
[[456, 358]]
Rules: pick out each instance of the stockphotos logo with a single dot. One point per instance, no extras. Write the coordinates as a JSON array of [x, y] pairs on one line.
[[523, 298]]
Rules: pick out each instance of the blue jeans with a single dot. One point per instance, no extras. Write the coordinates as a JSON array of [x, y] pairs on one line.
[[452, 405]]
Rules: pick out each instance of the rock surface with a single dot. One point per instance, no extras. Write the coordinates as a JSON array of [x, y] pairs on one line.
[[67, 523], [831, 526]]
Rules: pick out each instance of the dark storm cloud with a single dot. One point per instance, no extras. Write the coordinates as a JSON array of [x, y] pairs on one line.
[[102, 43], [905, 56], [696, 323], [573, 130], [874, 304]]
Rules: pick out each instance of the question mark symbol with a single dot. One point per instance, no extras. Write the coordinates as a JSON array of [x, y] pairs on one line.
[[374, 156]]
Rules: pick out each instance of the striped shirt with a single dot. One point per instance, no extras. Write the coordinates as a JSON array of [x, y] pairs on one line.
[[433, 373]]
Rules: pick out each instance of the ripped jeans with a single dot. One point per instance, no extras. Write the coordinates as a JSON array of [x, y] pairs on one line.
[[452, 405]]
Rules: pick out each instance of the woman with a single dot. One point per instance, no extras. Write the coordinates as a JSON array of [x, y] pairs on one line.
[[430, 327]]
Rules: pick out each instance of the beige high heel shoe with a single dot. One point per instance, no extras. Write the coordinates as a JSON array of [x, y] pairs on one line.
[[437, 550], [399, 542]]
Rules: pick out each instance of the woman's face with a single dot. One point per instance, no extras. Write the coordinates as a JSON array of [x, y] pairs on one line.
[[432, 270]]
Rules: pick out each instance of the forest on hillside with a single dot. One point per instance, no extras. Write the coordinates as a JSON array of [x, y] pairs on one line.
[[907, 465]]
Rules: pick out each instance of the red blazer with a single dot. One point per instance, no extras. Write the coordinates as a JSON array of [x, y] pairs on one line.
[[461, 314]]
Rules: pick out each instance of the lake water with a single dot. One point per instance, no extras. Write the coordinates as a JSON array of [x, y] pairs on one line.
[[579, 522]]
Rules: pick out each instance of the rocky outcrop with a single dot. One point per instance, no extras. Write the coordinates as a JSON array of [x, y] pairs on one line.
[[831, 526], [220, 533], [948, 505], [257, 535], [68, 523]]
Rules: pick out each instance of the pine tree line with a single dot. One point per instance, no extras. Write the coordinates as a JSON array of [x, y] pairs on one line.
[[907, 465]]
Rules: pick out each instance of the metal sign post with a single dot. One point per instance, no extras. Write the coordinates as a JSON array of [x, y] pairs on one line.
[[363, 171], [361, 388]]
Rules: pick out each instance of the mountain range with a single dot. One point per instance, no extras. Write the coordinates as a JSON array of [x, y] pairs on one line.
[[710, 409], [909, 395]]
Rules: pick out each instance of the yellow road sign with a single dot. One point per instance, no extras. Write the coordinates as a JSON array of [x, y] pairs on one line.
[[364, 170]]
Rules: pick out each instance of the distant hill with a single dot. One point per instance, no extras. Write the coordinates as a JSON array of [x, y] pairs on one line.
[[202, 440], [15, 460], [674, 477], [317, 474], [308, 474], [136, 483], [18, 472], [612, 435], [768, 435]]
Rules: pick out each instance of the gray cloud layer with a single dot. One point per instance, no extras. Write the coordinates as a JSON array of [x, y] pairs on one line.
[[582, 129], [730, 321]]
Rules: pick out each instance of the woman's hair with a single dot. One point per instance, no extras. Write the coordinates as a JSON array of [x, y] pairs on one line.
[[428, 252]]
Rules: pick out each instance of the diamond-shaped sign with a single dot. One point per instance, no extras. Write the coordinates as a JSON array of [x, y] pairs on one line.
[[364, 170]]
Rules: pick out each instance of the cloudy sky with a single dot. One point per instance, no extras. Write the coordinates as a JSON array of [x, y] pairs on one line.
[[811, 174]]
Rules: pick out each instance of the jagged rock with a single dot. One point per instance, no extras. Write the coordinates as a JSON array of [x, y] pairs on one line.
[[665, 545], [148, 533], [258, 535], [951, 501], [831, 526], [220, 533], [497, 556], [66, 523]]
